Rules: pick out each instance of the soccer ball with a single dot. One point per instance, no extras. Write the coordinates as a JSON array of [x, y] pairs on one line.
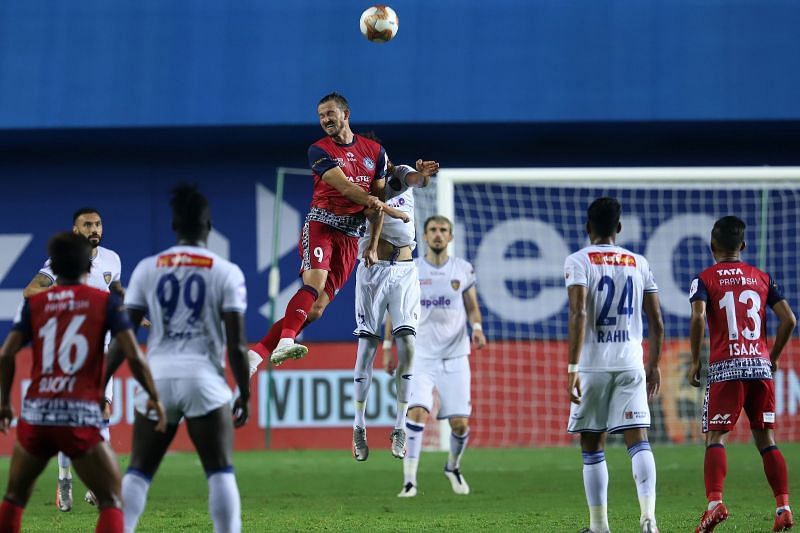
[[379, 23]]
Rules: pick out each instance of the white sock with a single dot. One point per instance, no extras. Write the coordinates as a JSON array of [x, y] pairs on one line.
[[224, 504], [595, 484], [413, 449], [458, 443], [134, 497], [105, 432], [643, 465], [362, 377], [63, 466], [405, 358]]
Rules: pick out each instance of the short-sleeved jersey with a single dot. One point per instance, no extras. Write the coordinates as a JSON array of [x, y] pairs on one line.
[[67, 326], [362, 161], [442, 329], [401, 197], [616, 280], [185, 290], [736, 295], [106, 269]]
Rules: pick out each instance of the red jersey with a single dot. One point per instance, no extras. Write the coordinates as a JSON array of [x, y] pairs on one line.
[[736, 295], [362, 161], [67, 326]]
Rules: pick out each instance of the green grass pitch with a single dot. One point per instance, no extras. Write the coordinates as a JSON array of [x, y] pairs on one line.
[[512, 490]]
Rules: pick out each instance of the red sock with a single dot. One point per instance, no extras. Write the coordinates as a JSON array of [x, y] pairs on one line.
[[297, 311], [715, 468], [265, 346], [775, 469], [10, 517], [110, 521]]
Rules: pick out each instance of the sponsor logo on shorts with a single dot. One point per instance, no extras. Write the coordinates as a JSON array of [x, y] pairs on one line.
[[719, 418], [769, 418], [635, 415]]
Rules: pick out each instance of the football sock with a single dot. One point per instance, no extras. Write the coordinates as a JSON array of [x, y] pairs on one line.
[[644, 475], [775, 469], [105, 432], [362, 377], [715, 468], [63, 466], [458, 443], [135, 485], [267, 344], [297, 311], [10, 517], [224, 504], [110, 520], [595, 483], [405, 357], [413, 448]]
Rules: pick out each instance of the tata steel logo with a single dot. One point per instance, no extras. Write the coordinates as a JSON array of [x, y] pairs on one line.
[[60, 295], [441, 301], [730, 272]]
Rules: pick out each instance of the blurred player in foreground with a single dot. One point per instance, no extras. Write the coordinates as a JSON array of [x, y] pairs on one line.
[[189, 293], [346, 169], [448, 300], [608, 286], [733, 295], [104, 275], [386, 280], [61, 410]]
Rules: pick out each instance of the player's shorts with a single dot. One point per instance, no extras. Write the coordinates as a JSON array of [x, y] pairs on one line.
[[324, 247], [451, 377], [387, 286], [611, 402], [186, 397], [725, 400], [46, 441]]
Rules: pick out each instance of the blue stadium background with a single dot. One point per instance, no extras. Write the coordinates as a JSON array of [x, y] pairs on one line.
[[111, 103]]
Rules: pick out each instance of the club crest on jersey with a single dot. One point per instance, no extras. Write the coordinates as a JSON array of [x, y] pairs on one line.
[[107, 277], [369, 163], [455, 283]]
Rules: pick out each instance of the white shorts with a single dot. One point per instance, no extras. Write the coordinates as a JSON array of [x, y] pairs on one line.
[[386, 286], [611, 402], [451, 377], [187, 397]]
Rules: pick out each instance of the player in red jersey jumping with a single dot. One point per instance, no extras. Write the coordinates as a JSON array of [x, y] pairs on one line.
[[61, 410], [733, 296], [348, 172]]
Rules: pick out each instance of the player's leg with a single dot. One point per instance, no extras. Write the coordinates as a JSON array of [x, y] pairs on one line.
[[22, 473], [453, 385], [643, 465], [362, 377], [420, 405], [98, 469], [105, 431], [64, 487], [760, 408]]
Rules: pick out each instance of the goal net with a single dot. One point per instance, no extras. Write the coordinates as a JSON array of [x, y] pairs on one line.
[[516, 226]]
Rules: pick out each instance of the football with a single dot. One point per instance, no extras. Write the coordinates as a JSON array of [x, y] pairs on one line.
[[379, 23]]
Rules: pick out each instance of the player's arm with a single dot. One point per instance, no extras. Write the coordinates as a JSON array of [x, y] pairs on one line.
[[375, 219], [117, 288], [240, 367], [422, 177], [655, 341], [576, 331], [389, 362], [40, 283], [697, 330], [20, 335], [786, 325], [474, 316]]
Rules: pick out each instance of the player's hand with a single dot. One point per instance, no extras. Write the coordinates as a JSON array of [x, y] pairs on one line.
[[427, 168], [373, 202], [693, 376], [478, 339], [158, 408], [370, 257], [574, 385], [6, 416], [774, 365], [241, 412], [145, 323], [653, 376], [106, 408], [394, 213]]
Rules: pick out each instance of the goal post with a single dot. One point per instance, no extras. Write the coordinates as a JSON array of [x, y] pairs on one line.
[[517, 225]]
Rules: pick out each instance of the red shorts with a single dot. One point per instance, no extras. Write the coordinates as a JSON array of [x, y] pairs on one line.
[[45, 441], [725, 400], [324, 247]]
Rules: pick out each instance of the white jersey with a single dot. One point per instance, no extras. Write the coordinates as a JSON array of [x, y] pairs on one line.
[[185, 290], [106, 269], [442, 329], [616, 280], [401, 197]]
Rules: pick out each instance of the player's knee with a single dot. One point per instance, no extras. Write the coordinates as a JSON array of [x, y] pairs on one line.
[[459, 426], [417, 414]]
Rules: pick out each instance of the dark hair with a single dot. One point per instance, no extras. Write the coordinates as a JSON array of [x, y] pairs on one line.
[[83, 211], [604, 216], [340, 100], [437, 218], [190, 216], [728, 233], [70, 255]]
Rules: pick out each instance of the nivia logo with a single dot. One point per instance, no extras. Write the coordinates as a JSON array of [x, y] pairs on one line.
[[721, 419]]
